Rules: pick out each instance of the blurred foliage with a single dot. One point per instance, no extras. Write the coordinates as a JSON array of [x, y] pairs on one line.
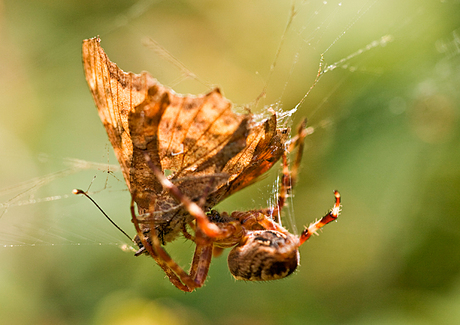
[[386, 135]]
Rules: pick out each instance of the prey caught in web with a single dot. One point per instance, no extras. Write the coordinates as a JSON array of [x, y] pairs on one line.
[[208, 152]]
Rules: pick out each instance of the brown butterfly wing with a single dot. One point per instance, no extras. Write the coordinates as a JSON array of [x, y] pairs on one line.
[[116, 94], [206, 146], [265, 146], [184, 134]]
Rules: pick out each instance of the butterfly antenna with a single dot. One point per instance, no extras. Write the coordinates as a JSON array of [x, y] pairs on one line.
[[78, 191]]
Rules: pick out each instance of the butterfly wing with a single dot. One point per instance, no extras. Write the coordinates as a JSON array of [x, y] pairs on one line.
[[205, 146]]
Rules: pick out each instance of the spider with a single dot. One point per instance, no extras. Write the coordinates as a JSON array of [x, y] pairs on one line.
[[209, 153], [263, 250]]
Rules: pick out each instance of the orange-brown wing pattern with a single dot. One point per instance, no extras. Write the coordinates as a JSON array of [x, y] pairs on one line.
[[199, 139], [265, 145], [116, 94]]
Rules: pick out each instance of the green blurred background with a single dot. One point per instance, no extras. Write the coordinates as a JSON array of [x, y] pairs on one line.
[[386, 135]]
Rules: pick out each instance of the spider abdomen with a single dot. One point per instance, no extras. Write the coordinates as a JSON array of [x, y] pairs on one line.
[[264, 255]]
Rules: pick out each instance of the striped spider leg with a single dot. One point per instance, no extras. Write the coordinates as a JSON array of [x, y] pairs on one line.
[[262, 249]]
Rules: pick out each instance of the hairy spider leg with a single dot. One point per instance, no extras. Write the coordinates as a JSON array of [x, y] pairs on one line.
[[152, 252], [299, 142], [269, 218], [289, 177], [331, 216], [177, 276], [209, 229], [205, 234]]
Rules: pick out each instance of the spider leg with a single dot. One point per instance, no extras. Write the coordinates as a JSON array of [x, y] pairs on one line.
[[269, 218], [200, 264], [148, 247], [285, 187], [253, 218], [331, 216], [201, 260], [205, 234], [289, 178], [202, 220], [299, 142], [177, 276]]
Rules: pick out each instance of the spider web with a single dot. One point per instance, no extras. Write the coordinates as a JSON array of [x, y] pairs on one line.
[[385, 134], [291, 58]]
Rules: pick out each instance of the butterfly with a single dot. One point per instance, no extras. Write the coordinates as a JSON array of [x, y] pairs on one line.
[[180, 156]]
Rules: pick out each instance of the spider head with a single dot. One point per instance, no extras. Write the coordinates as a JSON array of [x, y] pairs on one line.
[[264, 255]]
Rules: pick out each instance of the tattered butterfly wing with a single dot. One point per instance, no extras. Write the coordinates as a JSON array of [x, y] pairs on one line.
[[206, 147]]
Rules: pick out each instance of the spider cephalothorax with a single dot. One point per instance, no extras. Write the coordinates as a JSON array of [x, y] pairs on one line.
[[209, 152]]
